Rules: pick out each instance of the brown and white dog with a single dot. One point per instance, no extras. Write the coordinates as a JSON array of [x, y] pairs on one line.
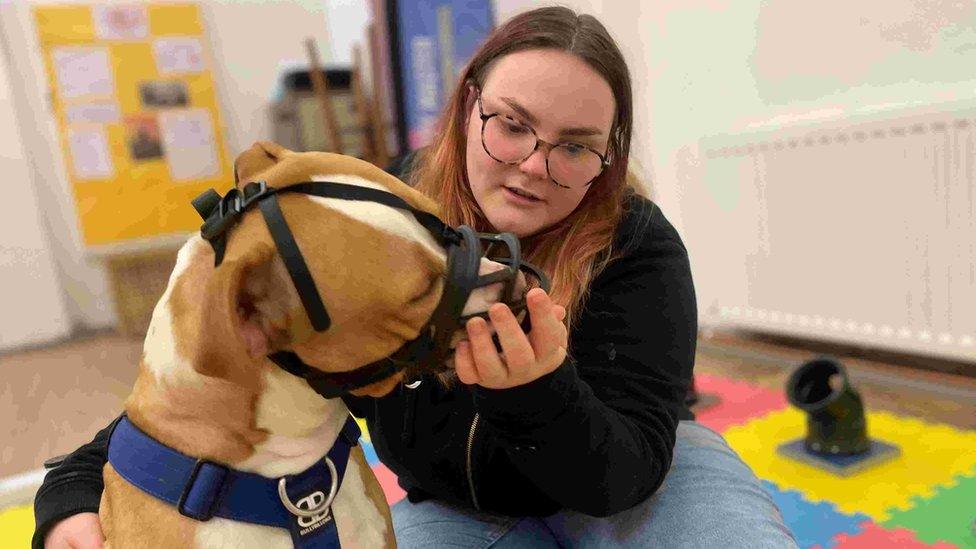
[[205, 386]]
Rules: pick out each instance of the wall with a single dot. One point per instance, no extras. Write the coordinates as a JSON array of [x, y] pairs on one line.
[[32, 310], [723, 67], [346, 21]]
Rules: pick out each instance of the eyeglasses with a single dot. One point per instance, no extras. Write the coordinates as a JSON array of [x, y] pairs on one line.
[[569, 165]]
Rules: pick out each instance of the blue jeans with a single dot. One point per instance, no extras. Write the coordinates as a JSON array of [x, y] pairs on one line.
[[710, 498]]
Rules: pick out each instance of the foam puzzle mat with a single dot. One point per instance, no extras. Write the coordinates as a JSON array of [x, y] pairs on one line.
[[932, 456], [738, 402], [925, 498]]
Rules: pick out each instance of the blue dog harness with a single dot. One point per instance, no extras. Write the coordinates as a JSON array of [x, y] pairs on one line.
[[201, 489]]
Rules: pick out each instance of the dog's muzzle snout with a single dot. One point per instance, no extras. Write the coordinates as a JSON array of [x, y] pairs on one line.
[[484, 297]]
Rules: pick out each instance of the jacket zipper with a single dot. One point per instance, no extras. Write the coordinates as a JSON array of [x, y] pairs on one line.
[[474, 427]]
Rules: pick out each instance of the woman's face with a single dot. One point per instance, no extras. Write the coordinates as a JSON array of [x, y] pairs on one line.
[[564, 101]]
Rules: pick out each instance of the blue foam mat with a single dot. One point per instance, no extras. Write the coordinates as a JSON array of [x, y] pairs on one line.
[[813, 524]]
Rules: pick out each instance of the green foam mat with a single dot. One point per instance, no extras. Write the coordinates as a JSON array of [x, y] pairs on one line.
[[949, 515]]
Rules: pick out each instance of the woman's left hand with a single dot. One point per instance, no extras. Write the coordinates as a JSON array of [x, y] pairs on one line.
[[526, 357]]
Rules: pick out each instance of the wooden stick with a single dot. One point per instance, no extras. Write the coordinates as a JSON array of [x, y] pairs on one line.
[[321, 88], [362, 107], [378, 118]]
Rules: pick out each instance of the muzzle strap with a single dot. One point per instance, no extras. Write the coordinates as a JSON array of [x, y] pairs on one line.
[[336, 384], [298, 270]]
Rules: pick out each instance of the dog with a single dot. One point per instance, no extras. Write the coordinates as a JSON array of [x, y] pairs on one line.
[[207, 390]]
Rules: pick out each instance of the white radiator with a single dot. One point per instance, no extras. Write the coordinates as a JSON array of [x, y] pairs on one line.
[[860, 230]]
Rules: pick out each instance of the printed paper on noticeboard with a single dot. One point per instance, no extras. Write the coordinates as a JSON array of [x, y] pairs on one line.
[[188, 138], [83, 72], [90, 156], [124, 22], [93, 113], [179, 55]]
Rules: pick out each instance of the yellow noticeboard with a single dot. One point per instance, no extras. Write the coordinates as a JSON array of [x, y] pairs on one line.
[[134, 97]]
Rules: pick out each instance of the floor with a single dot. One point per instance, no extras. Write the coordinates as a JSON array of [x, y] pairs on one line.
[[889, 385], [60, 396], [925, 496]]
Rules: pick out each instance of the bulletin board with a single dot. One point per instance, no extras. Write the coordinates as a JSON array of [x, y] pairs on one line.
[[133, 94]]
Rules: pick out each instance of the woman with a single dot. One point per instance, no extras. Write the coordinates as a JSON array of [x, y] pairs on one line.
[[578, 434]]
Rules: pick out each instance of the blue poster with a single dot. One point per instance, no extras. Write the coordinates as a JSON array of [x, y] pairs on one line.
[[436, 40]]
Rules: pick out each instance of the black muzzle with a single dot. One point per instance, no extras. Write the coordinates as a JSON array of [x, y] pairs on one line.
[[429, 351]]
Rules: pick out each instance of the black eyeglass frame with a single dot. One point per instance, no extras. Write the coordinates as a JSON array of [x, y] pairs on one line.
[[604, 160]]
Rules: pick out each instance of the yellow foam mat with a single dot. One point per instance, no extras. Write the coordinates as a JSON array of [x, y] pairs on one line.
[[362, 427], [16, 527], [932, 455]]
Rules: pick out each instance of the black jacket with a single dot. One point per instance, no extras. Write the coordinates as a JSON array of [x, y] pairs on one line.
[[596, 435]]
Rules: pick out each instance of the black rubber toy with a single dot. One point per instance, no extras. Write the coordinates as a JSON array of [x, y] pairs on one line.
[[835, 413]]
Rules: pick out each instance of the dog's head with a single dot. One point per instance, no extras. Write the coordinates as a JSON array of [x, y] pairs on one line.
[[378, 271]]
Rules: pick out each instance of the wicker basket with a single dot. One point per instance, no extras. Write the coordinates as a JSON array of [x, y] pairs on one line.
[[137, 282]]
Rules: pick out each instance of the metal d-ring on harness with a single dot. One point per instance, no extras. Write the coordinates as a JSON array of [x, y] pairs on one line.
[[430, 349], [318, 509]]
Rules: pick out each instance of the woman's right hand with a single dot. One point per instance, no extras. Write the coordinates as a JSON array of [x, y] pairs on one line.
[[81, 531]]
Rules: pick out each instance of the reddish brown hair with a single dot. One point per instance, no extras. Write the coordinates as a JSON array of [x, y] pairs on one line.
[[574, 250]]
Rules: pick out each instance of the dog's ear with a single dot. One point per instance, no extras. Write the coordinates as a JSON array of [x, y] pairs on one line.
[[261, 156], [247, 313]]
